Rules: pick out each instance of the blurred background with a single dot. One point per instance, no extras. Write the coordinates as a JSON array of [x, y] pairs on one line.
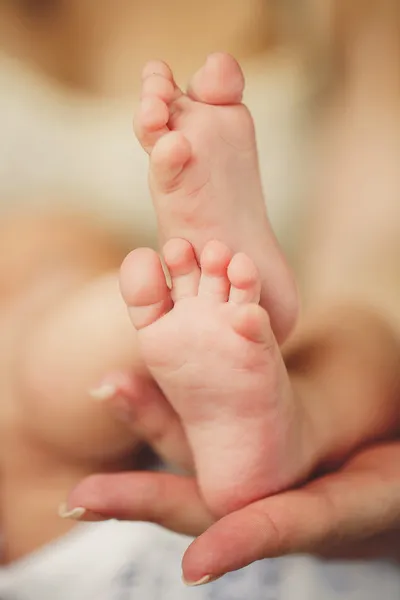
[[69, 85], [69, 77]]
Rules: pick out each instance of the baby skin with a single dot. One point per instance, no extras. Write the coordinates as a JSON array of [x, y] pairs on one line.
[[222, 321], [210, 347], [204, 175]]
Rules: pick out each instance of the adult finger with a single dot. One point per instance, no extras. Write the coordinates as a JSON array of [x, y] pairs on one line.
[[351, 506], [358, 504], [169, 500], [139, 402]]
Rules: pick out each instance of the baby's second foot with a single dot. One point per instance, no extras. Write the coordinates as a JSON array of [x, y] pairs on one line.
[[204, 174], [210, 347]]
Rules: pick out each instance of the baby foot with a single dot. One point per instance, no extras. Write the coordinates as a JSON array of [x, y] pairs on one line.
[[210, 347], [204, 174]]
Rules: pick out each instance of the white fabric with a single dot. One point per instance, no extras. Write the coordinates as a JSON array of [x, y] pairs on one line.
[[137, 561]]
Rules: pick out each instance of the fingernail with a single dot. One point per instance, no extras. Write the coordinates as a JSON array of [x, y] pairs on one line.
[[103, 392], [75, 514], [203, 581]]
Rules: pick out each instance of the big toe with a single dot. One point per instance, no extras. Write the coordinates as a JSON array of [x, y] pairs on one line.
[[144, 288], [219, 81]]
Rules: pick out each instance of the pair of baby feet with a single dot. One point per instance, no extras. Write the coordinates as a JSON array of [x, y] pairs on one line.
[[211, 338]]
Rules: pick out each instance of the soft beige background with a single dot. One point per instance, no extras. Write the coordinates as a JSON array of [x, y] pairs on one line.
[[61, 148]]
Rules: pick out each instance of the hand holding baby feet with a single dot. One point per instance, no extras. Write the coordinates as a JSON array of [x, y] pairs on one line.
[[204, 174], [136, 400], [210, 347]]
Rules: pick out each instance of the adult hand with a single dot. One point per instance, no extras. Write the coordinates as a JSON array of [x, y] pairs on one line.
[[353, 512]]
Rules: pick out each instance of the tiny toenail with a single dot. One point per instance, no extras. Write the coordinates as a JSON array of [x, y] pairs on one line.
[[203, 581], [75, 514], [103, 392]]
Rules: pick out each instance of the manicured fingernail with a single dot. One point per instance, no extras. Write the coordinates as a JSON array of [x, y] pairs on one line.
[[203, 581], [103, 392], [75, 514]]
